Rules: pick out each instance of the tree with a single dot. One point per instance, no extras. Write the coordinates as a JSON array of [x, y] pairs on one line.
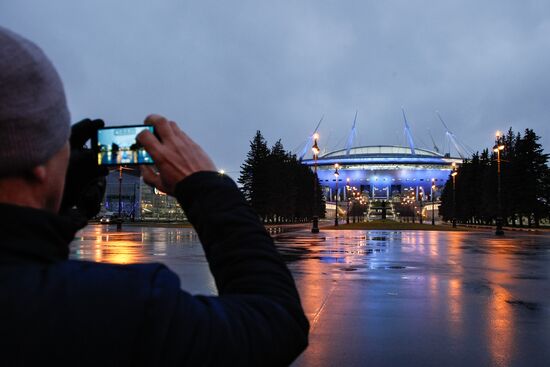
[[531, 167], [277, 185], [281, 185], [254, 175], [525, 183]]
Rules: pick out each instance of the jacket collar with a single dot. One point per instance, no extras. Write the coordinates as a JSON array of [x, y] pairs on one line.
[[33, 234]]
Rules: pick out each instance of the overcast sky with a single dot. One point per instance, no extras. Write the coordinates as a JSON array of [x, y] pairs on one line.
[[224, 69]]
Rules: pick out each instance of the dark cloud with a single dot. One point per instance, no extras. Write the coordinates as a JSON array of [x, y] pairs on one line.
[[225, 69]]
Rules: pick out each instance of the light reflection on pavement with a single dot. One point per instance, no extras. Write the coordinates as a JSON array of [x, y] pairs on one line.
[[379, 298], [177, 248]]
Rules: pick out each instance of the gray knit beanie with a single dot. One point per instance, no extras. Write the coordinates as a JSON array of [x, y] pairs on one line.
[[34, 119]]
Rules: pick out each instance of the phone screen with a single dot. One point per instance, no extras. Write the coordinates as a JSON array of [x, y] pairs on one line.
[[117, 145]]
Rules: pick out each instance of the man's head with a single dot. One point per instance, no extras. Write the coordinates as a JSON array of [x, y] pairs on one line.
[[34, 126]]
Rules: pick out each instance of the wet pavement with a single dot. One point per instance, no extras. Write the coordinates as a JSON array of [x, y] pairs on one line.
[[378, 298]]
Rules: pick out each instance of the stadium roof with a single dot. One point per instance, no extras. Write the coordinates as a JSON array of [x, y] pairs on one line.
[[383, 154], [381, 151]]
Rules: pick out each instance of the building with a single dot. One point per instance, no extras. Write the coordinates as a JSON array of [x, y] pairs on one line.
[[389, 181], [383, 172], [137, 200], [384, 179]]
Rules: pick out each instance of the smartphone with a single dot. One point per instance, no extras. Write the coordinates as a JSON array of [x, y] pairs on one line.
[[117, 145]]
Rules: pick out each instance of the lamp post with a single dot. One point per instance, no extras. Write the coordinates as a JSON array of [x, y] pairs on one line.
[[354, 207], [453, 174], [348, 199], [421, 194], [413, 205], [119, 196], [433, 206], [119, 219], [315, 150], [497, 148], [336, 174]]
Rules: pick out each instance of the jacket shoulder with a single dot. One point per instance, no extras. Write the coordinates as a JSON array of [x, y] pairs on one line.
[[133, 282]]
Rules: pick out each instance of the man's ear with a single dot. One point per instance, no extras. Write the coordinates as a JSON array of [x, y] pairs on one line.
[[39, 173]]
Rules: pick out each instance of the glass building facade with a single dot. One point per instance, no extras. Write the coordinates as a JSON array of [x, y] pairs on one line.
[[127, 194]]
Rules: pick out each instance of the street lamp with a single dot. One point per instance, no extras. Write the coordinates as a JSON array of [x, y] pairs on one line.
[[497, 148], [336, 174], [315, 150], [453, 174], [119, 219], [355, 200], [421, 194], [433, 207], [348, 199]]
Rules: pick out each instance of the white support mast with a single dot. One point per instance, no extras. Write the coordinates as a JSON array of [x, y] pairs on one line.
[[352, 135], [452, 139], [408, 134]]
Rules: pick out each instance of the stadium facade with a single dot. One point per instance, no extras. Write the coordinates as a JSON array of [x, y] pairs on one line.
[[383, 172]]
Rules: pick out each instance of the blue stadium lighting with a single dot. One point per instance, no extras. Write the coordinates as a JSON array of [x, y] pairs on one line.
[[384, 172]]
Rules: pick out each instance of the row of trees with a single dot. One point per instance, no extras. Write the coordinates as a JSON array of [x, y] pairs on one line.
[[525, 184], [277, 185]]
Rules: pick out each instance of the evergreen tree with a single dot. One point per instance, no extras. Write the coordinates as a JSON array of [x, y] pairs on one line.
[[254, 175], [281, 185], [531, 165], [525, 184], [277, 185]]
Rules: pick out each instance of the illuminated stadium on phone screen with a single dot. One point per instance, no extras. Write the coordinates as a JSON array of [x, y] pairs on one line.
[[385, 172], [117, 146]]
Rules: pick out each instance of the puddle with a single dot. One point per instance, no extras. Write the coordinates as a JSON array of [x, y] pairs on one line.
[[297, 240], [529, 277], [378, 238], [532, 306]]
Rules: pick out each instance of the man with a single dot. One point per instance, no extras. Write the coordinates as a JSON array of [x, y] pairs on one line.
[[81, 313]]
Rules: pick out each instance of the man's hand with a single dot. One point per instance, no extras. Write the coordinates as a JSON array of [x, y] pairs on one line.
[[176, 156], [85, 181]]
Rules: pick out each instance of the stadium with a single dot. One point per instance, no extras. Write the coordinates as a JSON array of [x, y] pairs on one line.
[[389, 173]]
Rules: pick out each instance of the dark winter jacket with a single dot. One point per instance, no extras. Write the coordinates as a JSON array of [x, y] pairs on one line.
[[84, 313]]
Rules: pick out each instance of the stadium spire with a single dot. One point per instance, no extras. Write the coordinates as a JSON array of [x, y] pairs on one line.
[[460, 149], [436, 148], [408, 134], [352, 135]]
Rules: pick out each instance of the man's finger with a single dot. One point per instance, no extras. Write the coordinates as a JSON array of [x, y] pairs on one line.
[[183, 136], [151, 144], [177, 131], [150, 177], [154, 118], [162, 126]]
